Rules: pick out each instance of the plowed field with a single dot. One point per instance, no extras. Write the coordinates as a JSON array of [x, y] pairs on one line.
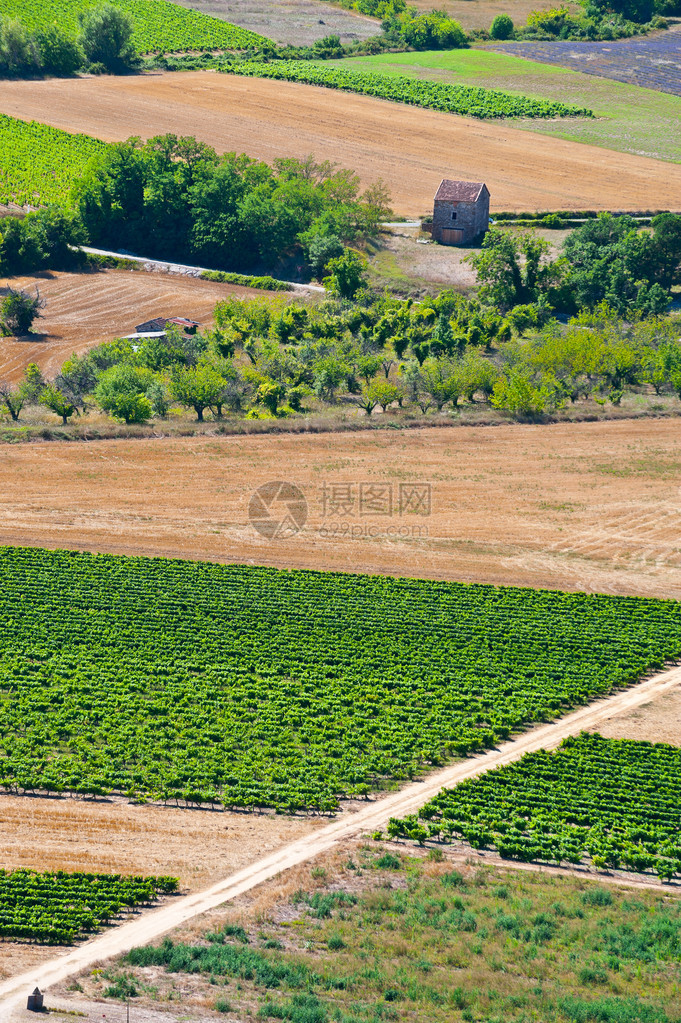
[[586, 506], [83, 310], [410, 148]]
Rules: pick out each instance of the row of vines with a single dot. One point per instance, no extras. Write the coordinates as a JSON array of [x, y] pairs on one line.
[[159, 25], [251, 687], [39, 164], [58, 908], [456, 99], [616, 801]]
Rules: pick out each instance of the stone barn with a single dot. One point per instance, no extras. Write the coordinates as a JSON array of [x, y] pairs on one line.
[[460, 212]]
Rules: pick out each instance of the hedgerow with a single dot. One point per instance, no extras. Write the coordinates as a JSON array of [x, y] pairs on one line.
[[244, 686]]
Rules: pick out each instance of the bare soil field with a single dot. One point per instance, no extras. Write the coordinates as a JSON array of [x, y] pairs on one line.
[[84, 309], [410, 148], [298, 22], [577, 506], [656, 721]]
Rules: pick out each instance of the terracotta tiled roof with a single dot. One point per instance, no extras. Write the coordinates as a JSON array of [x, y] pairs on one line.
[[459, 191]]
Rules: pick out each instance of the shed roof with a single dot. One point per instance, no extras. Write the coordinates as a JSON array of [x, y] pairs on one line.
[[141, 335], [182, 321], [459, 191]]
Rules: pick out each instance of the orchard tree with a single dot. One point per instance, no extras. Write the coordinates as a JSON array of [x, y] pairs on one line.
[[197, 387], [18, 311], [57, 402], [515, 268], [347, 274]]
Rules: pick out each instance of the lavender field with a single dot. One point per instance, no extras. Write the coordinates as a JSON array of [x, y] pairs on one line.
[[653, 62]]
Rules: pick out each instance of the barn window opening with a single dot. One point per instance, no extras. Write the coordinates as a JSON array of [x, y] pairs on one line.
[[453, 216]]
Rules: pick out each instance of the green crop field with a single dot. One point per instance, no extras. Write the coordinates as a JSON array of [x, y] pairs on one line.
[[456, 99], [159, 25], [256, 687], [57, 908], [617, 800], [39, 164], [627, 118]]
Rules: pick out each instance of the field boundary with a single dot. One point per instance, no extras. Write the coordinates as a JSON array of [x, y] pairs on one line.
[[153, 925]]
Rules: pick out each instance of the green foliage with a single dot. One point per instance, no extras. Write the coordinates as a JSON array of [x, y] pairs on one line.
[[158, 24], [501, 27], [41, 240], [245, 280], [197, 387], [617, 800], [515, 268], [56, 401], [39, 164], [457, 99], [18, 311], [347, 274], [57, 908], [120, 391], [106, 34], [253, 687]]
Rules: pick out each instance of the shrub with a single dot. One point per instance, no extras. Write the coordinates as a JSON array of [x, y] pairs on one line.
[[502, 27], [597, 897]]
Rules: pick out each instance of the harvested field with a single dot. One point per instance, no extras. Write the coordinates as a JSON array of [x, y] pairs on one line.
[[481, 13], [657, 721], [410, 148], [84, 309], [298, 22], [587, 506]]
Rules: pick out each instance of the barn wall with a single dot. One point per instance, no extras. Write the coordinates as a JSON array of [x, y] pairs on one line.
[[471, 217]]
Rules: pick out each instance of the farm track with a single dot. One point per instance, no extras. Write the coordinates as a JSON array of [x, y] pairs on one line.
[[412, 149], [150, 926]]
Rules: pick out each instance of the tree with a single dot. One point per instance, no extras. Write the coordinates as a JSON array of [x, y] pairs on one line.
[[384, 393], [121, 393], [197, 387], [18, 311], [57, 402], [106, 36], [60, 54], [12, 398], [442, 380], [347, 274], [321, 246], [19, 54], [515, 268], [517, 394], [501, 27]]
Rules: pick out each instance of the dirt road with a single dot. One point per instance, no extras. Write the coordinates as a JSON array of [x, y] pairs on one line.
[[410, 148], [154, 924]]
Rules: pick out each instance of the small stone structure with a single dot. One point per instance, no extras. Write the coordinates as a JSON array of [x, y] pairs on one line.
[[460, 212], [35, 1001]]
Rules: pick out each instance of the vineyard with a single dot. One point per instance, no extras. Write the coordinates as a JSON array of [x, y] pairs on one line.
[[159, 25], [58, 908], [251, 687], [454, 99], [617, 800], [39, 164]]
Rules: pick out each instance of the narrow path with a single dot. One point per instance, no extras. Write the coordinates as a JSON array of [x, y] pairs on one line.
[[152, 925], [163, 266]]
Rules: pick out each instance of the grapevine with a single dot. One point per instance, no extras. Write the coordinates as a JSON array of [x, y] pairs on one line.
[[251, 687], [617, 801]]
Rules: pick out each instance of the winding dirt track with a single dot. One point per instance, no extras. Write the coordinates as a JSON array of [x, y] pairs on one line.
[[152, 925]]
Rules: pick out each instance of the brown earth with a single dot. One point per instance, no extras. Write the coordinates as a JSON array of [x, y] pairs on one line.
[[576, 506], [85, 309], [410, 148], [473, 14], [656, 721]]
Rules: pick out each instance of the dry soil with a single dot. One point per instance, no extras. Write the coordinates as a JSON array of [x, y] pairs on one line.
[[410, 148], [580, 506]]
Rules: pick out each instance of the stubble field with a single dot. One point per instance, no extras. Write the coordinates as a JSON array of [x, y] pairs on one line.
[[590, 506], [410, 148]]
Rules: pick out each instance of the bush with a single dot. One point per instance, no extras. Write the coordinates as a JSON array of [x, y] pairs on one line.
[[59, 53], [597, 897], [501, 27], [106, 37], [18, 311]]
